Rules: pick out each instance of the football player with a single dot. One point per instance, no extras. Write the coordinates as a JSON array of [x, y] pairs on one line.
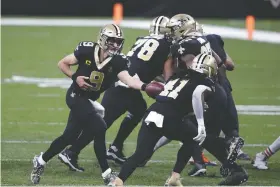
[[190, 40], [99, 64], [261, 159], [187, 42], [148, 58], [231, 129], [183, 95]]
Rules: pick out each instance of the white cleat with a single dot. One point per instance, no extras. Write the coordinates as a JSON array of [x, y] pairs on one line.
[[173, 181], [260, 162]]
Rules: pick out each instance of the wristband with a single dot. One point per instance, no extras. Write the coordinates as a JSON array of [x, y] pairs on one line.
[[74, 77], [143, 87]]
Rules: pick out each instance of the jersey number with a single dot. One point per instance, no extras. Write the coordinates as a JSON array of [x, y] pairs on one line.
[[148, 47], [205, 48], [169, 90], [96, 78]]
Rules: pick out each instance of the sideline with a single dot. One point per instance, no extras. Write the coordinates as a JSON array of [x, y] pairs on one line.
[[226, 32]]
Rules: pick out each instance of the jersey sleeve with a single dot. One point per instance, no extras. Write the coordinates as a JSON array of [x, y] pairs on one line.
[[219, 40], [217, 45], [187, 47], [120, 64], [82, 50]]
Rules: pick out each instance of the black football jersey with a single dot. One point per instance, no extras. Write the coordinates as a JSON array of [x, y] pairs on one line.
[[176, 99], [147, 57], [101, 74], [217, 45], [191, 45]]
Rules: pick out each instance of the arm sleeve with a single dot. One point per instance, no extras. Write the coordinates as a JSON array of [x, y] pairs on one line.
[[197, 103], [82, 50]]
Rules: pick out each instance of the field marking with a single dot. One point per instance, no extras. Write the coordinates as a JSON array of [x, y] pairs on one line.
[[226, 32], [126, 143], [64, 124], [37, 109], [44, 95], [85, 160], [269, 110]]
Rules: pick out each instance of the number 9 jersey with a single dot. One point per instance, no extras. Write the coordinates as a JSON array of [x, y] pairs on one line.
[[147, 57], [101, 74]]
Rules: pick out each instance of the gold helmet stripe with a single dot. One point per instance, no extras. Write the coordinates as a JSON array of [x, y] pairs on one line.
[[159, 19], [200, 60], [118, 30]]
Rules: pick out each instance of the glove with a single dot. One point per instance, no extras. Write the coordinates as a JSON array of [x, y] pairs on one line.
[[201, 134]]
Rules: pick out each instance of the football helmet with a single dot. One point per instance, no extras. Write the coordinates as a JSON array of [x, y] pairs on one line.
[[180, 25], [111, 39], [205, 64], [158, 26], [199, 27]]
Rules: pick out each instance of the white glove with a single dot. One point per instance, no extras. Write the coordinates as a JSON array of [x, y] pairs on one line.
[[201, 134]]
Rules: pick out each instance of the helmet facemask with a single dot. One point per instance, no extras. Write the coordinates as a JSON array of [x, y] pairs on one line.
[[111, 39]]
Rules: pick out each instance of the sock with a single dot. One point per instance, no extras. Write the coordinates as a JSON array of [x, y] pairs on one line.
[[127, 126], [161, 142], [41, 160], [183, 157], [273, 148], [197, 155], [105, 173]]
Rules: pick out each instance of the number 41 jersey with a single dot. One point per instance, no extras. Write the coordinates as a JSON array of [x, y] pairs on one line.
[[101, 74], [176, 99], [147, 57]]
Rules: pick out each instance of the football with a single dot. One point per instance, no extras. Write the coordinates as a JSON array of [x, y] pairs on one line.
[[154, 88]]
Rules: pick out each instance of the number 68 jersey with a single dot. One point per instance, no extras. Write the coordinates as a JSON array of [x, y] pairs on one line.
[[101, 74]]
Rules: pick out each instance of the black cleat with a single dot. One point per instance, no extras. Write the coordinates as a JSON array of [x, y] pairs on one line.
[[235, 146], [116, 155], [236, 176], [198, 170], [37, 171], [70, 159]]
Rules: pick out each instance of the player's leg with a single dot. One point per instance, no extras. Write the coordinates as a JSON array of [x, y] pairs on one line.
[[96, 126], [115, 102], [184, 132], [231, 127], [260, 161], [72, 131], [147, 137], [114, 108], [137, 107]]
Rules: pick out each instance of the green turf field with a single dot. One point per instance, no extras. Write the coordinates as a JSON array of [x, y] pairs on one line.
[[36, 115]]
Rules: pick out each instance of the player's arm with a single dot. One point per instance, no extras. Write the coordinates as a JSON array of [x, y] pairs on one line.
[[197, 104], [168, 68], [65, 64], [132, 82], [229, 63]]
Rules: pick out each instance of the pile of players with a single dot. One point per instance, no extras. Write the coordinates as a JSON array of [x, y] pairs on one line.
[[194, 107]]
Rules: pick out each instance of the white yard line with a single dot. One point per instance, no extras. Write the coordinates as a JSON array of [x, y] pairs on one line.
[[226, 32], [127, 143], [64, 123]]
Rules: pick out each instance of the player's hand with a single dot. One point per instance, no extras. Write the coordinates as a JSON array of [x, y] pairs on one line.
[[201, 134], [82, 83]]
